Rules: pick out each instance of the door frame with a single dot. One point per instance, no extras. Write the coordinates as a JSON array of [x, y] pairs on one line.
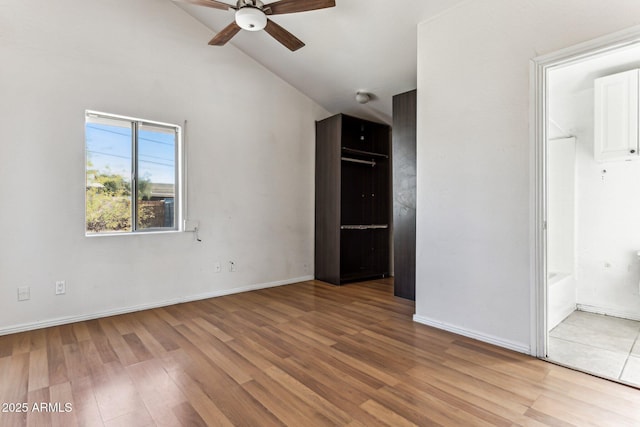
[[540, 67]]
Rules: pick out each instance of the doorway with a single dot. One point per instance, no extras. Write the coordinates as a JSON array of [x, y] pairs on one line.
[[587, 242]]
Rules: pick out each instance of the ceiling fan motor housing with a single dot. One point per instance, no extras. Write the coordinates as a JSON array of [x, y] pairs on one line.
[[250, 16], [250, 3]]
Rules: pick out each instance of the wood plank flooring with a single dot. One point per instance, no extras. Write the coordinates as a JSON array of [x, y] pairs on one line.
[[308, 354]]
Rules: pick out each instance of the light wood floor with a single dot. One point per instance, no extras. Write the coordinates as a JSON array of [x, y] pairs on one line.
[[308, 354]]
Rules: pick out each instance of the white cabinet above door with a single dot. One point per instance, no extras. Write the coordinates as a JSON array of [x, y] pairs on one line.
[[616, 117]]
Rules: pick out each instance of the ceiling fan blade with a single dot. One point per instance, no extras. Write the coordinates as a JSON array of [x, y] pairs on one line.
[[225, 34], [283, 36], [292, 6], [207, 3]]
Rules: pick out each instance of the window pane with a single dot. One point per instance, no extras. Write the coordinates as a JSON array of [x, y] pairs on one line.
[[108, 175], [156, 177]]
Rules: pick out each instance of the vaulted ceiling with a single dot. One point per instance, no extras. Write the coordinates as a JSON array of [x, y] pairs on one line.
[[358, 45]]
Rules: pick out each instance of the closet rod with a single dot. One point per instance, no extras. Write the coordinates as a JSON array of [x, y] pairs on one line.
[[366, 153], [364, 227], [366, 162]]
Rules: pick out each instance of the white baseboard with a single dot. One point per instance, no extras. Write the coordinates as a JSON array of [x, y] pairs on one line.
[[519, 347], [72, 319], [608, 312]]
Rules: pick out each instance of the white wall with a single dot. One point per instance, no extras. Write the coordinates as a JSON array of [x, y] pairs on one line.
[[473, 217], [608, 235], [608, 230], [250, 159]]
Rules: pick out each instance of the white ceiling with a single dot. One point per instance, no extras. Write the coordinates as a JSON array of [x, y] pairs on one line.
[[577, 77], [357, 45], [571, 89]]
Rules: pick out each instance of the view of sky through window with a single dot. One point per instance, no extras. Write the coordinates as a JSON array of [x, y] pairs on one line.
[[109, 151]]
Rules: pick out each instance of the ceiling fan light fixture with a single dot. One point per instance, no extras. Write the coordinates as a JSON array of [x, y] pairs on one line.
[[251, 19]]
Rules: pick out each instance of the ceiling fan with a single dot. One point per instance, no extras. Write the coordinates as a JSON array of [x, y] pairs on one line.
[[251, 15]]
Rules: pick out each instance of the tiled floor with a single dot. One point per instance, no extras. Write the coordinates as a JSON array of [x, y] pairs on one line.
[[602, 345]]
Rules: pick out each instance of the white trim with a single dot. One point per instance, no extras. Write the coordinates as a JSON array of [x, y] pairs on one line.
[[537, 232], [590, 49], [511, 345], [72, 319], [608, 312], [539, 71], [179, 172], [102, 114]]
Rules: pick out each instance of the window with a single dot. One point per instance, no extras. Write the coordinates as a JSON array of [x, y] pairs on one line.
[[132, 175]]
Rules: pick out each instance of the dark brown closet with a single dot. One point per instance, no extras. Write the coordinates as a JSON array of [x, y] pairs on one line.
[[352, 199]]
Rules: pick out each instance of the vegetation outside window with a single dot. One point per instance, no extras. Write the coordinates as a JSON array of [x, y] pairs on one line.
[[132, 175]]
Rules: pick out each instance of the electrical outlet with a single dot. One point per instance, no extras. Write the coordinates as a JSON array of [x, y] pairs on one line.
[[61, 287], [232, 266], [217, 268], [24, 293]]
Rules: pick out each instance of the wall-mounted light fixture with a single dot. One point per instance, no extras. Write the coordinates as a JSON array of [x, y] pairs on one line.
[[363, 97]]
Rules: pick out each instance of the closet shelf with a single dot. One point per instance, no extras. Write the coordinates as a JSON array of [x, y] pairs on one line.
[[364, 153], [364, 227]]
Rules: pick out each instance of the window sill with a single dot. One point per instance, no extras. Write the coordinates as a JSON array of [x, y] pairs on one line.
[[135, 233]]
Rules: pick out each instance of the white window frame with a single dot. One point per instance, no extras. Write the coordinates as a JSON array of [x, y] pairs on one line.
[[179, 176]]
